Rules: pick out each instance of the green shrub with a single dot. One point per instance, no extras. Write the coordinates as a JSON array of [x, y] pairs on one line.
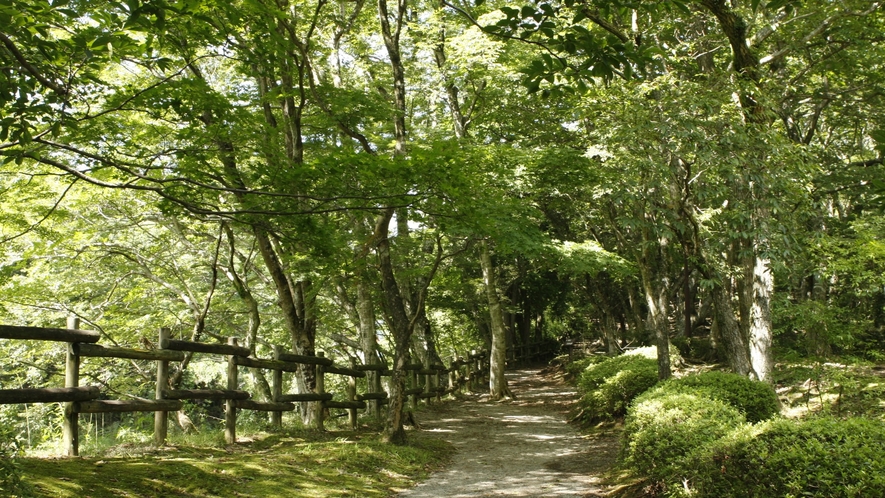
[[10, 473], [697, 348], [577, 367], [608, 387], [664, 431], [651, 352], [824, 457], [756, 400]]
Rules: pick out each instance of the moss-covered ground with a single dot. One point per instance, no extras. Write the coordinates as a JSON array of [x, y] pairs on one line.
[[295, 464]]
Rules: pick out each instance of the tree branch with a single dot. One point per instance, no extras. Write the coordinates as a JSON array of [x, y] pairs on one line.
[[44, 218], [30, 68], [602, 23], [815, 32]]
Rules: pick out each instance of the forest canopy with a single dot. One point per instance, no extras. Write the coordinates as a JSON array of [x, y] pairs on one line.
[[376, 180]]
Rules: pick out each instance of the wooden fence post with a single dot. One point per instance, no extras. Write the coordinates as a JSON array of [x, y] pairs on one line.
[[428, 387], [438, 384], [276, 387], [71, 436], [475, 369], [161, 419], [373, 380], [413, 384], [230, 406], [321, 389], [351, 395], [468, 371], [372, 405]]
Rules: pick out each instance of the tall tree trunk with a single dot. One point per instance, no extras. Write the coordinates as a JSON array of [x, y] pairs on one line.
[[726, 328], [656, 287], [391, 35], [760, 317], [302, 340], [498, 354], [730, 332], [601, 293], [245, 293], [459, 121], [757, 284], [637, 320], [368, 338], [400, 329]]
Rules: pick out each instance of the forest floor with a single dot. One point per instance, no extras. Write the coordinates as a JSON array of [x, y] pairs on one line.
[[517, 448]]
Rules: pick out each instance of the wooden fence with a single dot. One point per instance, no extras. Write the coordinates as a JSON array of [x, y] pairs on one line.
[[471, 370], [531, 352]]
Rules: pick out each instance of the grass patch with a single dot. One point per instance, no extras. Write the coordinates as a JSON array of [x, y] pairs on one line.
[[303, 463], [842, 390]]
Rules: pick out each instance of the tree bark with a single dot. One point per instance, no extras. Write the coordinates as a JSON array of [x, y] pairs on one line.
[[656, 287], [368, 338], [730, 332], [391, 36], [757, 285], [498, 354], [400, 329], [760, 320]]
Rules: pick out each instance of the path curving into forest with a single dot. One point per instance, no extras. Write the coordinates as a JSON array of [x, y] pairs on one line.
[[516, 448]]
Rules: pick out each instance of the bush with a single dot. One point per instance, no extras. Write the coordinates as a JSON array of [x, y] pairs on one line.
[[756, 400], [608, 387], [665, 431], [823, 457], [10, 473], [697, 348], [651, 352], [577, 367]]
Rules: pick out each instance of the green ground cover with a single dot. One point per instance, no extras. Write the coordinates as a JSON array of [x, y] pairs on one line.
[[304, 464]]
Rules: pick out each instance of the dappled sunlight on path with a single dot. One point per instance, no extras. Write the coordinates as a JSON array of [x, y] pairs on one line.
[[517, 448]]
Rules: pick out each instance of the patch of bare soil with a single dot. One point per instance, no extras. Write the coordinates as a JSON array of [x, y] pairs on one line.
[[516, 448]]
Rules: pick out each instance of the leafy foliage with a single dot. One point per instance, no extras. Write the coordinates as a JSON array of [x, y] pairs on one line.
[[756, 400], [10, 469], [608, 387], [664, 431], [577, 367], [303, 463], [821, 457]]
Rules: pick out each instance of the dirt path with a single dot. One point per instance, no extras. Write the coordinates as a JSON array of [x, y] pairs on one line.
[[521, 448]]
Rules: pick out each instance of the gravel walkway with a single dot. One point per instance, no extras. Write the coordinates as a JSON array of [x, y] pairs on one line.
[[516, 448]]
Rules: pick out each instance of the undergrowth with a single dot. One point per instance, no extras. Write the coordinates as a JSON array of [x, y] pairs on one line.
[[300, 463], [719, 435]]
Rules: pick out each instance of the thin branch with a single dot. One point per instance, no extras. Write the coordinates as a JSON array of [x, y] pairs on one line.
[[30, 68], [422, 293], [44, 218], [505, 36], [128, 169], [815, 32], [195, 209], [602, 23], [134, 96]]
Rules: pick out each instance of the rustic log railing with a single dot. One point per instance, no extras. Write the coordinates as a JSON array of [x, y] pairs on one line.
[[531, 352], [86, 399]]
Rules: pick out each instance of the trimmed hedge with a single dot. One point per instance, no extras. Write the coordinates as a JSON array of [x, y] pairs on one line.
[[577, 367], [608, 387], [756, 400], [664, 432], [821, 457]]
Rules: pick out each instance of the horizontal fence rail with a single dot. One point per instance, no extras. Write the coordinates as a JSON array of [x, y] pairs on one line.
[[425, 382]]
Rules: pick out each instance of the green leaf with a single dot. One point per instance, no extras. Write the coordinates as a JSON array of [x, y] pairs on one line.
[[879, 137]]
